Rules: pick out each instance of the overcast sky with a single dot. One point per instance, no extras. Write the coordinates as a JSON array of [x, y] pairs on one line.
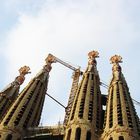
[[69, 29]]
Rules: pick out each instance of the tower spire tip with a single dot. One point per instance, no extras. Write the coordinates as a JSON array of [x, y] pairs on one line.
[[116, 59], [92, 55], [23, 71], [50, 59]]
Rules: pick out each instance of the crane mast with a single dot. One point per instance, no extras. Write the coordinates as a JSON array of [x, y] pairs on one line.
[[74, 87]]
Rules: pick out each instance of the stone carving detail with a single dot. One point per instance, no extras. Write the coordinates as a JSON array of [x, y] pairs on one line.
[[23, 71], [92, 55], [116, 59], [49, 60]]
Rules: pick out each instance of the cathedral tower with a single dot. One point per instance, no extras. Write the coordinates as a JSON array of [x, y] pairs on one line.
[[121, 120], [10, 93], [26, 110], [85, 115]]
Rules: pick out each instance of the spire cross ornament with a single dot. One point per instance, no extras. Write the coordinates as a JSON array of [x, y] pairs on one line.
[[92, 55], [23, 71]]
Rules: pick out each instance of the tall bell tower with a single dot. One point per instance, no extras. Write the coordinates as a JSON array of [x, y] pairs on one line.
[[10, 93], [121, 120], [85, 115], [26, 110]]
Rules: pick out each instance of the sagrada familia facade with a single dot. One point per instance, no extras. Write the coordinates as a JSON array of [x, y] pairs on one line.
[[85, 117]]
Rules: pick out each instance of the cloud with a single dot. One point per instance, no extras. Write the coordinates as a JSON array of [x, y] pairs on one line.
[[69, 30]]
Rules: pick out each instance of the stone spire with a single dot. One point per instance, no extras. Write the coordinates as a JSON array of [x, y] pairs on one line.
[[121, 120], [10, 93], [85, 115], [26, 110]]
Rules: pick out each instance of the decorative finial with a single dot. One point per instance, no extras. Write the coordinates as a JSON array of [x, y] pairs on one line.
[[49, 60], [92, 55], [23, 71], [116, 59]]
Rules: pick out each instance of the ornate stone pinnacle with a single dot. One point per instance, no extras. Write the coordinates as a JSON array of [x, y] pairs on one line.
[[23, 71], [50, 59], [116, 59], [93, 54]]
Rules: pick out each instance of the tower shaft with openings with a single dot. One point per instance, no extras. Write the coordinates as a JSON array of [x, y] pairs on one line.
[[85, 115], [121, 121], [26, 110], [84, 119], [10, 93]]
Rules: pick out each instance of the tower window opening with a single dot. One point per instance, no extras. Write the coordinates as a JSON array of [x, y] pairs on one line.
[[128, 111], [69, 134], [119, 109], [130, 125], [82, 103], [110, 138], [88, 137], [111, 111], [92, 76], [92, 90], [10, 115], [9, 137], [81, 110], [105, 115], [90, 110], [121, 138], [35, 121], [20, 114], [78, 134], [31, 110]]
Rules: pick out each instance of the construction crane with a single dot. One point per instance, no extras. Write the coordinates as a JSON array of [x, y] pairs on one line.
[[76, 75], [55, 59]]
